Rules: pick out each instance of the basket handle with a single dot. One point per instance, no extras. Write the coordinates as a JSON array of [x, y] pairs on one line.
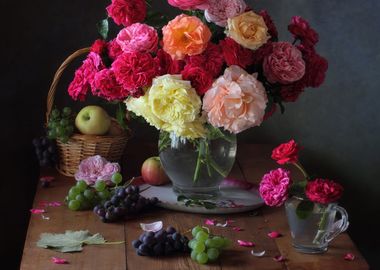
[[57, 76]]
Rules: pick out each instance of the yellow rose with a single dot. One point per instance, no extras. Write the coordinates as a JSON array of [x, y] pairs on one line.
[[248, 29], [172, 105]]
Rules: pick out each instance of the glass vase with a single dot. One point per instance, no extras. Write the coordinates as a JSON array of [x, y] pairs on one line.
[[197, 167], [313, 226]]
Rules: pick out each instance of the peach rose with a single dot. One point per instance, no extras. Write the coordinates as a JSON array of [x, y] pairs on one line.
[[185, 35], [248, 29], [236, 101]]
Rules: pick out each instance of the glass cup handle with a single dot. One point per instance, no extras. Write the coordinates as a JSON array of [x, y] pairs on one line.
[[339, 226]]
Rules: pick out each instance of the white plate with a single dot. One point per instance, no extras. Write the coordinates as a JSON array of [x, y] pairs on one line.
[[232, 200]]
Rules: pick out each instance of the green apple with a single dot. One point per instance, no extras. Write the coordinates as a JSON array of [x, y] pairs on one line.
[[93, 120]]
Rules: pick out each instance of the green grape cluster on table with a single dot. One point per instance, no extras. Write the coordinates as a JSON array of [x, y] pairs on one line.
[[206, 247], [61, 124]]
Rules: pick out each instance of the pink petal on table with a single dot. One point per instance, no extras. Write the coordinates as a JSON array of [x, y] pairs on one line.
[[51, 204], [237, 229], [47, 178], [274, 234], [37, 211], [258, 254], [210, 222], [59, 260], [232, 182], [245, 243], [349, 257], [152, 227], [279, 258]]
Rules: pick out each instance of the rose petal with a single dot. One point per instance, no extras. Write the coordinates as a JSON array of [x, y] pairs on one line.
[[258, 254], [37, 211], [47, 178], [245, 243], [349, 257], [152, 227], [52, 204], [59, 260], [210, 222], [274, 234], [279, 258], [45, 217], [237, 229]]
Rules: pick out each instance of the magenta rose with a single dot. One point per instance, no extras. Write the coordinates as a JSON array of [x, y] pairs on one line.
[[219, 11], [127, 12], [99, 46], [189, 4], [301, 30], [107, 87], [274, 187], [285, 64], [114, 50], [323, 191], [138, 37], [167, 65], [286, 152]]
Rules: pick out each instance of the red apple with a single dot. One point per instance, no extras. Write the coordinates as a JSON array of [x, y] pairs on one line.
[[153, 173]]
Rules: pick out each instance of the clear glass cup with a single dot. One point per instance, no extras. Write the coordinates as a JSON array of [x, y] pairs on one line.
[[313, 226]]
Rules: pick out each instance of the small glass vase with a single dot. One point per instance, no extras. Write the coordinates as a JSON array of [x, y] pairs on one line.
[[313, 226], [197, 167]]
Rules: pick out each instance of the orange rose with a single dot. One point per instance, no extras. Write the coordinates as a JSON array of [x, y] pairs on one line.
[[185, 35]]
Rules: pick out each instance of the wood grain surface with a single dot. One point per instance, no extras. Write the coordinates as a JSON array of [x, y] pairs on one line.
[[252, 162]]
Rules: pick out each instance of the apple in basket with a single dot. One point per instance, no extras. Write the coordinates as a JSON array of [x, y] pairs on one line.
[[153, 173], [93, 120]]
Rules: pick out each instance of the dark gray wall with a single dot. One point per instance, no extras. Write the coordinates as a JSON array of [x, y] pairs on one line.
[[336, 124]]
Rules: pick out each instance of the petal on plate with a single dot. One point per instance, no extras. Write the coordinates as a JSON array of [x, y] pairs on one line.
[[245, 243], [237, 229], [274, 234], [151, 227], [349, 257], [37, 211], [59, 260], [279, 258], [210, 222], [258, 254]]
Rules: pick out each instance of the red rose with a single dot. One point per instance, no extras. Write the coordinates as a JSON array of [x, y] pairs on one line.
[[166, 65], [286, 152], [211, 59], [301, 30], [134, 70], [114, 50], [291, 92], [98, 46], [234, 54], [261, 53], [323, 191], [200, 79], [272, 30], [127, 12], [107, 87]]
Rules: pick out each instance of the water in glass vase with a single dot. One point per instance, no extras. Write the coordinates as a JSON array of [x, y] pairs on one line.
[[197, 167]]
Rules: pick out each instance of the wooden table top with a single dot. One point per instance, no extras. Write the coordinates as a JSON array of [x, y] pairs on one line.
[[252, 162]]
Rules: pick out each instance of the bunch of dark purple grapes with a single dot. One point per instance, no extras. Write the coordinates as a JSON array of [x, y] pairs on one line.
[[46, 151], [162, 243], [125, 202]]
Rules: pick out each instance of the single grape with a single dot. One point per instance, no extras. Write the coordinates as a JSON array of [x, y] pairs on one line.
[[100, 185], [74, 205], [81, 185], [55, 113], [60, 131], [202, 258], [176, 236], [74, 190], [170, 230], [101, 212], [120, 193], [212, 254], [64, 122], [191, 243], [136, 243], [89, 194], [52, 134], [115, 200], [209, 243], [201, 236], [196, 229], [66, 111], [80, 198], [217, 241], [160, 236], [105, 194], [199, 247], [117, 178]]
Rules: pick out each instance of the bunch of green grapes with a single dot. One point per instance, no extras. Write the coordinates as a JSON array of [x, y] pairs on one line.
[[85, 197], [206, 247], [61, 124]]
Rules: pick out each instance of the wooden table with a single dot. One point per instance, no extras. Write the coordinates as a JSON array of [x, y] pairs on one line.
[[252, 162]]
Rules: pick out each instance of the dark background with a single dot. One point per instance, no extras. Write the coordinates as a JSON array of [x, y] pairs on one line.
[[338, 124]]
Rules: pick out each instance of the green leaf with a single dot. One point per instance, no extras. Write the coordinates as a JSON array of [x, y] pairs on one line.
[[209, 205], [304, 209], [298, 188], [181, 198], [70, 241], [164, 141], [103, 28], [120, 115]]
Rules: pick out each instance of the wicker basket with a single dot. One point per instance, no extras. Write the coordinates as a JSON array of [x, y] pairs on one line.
[[110, 146]]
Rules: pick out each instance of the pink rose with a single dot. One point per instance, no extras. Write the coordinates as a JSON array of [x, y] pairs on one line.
[[114, 50], [96, 168], [127, 12], [323, 191], [220, 10], [284, 64], [236, 101], [107, 87], [274, 187], [138, 37], [189, 4]]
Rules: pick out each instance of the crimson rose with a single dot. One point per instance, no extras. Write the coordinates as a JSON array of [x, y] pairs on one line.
[[323, 191], [286, 152], [127, 12], [234, 54], [200, 79]]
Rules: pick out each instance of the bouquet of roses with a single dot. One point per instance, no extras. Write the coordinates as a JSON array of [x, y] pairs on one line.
[[219, 64]]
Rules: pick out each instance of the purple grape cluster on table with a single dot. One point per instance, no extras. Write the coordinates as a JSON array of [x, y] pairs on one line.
[[125, 202], [46, 151], [161, 243]]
